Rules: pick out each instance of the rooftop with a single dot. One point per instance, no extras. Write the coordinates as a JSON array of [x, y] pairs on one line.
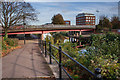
[[83, 14]]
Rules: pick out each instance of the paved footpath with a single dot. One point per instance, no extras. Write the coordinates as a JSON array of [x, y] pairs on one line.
[[26, 62]]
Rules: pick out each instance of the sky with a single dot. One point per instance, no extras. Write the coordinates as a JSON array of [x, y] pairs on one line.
[[69, 10]]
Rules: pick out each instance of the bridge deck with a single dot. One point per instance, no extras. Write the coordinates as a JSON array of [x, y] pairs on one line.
[[26, 62]]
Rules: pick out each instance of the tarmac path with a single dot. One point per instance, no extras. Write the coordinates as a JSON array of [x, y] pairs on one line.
[[26, 62]]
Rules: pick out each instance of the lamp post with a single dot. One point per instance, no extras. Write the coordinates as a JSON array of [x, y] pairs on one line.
[[24, 27], [97, 15]]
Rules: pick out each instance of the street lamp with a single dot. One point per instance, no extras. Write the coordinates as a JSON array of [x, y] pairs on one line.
[[97, 15]]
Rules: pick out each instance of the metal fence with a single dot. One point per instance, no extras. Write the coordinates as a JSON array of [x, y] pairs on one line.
[[69, 65]]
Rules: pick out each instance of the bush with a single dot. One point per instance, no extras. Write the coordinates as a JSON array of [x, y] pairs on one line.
[[4, 47], [11, 42], [8, 45], [103, 53]]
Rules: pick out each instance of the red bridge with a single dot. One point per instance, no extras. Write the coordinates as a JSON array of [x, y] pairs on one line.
[[41, 29]]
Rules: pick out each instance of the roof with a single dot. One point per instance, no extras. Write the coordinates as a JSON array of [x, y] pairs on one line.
[[85, 14]]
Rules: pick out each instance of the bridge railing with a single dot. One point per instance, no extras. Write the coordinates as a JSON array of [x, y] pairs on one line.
[[60, 26], [51, 26], [69, 65]]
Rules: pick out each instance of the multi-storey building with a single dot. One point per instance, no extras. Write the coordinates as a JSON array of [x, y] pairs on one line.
[[85, 19]]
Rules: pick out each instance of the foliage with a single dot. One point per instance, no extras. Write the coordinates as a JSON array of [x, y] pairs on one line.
[[105, 23], [106, 43], [59, 37], [11, 42], [58, 19], [70, 48], [104, 53], [98, 28], [8, 44], [49, 39], [115, 22]]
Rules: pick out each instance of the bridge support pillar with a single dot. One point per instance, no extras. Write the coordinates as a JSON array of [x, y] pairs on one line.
[[80, 32], [76, 40], [77, 34]]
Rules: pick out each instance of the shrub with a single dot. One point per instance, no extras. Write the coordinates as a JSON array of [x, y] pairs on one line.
[[4, 47], [11, 42]]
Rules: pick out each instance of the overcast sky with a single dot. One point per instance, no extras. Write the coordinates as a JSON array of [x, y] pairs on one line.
[[69, 10]]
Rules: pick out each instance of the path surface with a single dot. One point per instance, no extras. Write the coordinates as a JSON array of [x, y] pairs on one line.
[[25, 62]]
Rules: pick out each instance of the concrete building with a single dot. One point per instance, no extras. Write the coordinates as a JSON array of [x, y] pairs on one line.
[[67, 22], [119, 10], [85, 19]]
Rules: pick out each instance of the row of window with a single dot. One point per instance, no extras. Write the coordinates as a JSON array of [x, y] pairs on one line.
[[85, 18], [90, 17], [85, 21]]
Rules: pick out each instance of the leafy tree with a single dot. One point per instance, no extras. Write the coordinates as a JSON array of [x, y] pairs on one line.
[[105, 23], [49, 39], [58, 38], [13, 13], [58, 19], [115, 22]]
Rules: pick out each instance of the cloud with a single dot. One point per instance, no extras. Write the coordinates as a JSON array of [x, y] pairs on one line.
[[69, 10]]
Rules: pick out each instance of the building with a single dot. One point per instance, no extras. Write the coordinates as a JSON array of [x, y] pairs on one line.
[[67, 22], [119, 10], [85, 19]]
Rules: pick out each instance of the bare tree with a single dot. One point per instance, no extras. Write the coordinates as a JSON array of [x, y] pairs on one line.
[[13, 13]]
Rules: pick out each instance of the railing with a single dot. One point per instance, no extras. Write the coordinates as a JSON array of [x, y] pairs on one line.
[[52, 26], [61, 58]]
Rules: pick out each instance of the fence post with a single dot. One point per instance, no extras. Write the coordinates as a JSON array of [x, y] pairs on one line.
[[39, 43], [50, 52], [43, 46], [60, 64], [98, 74], [45, 50]]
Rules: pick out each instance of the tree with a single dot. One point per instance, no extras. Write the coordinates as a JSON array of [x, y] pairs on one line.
[[105, 23], [58, 38], [13, 13], [58, 19], [115, 22], [49, 39]]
